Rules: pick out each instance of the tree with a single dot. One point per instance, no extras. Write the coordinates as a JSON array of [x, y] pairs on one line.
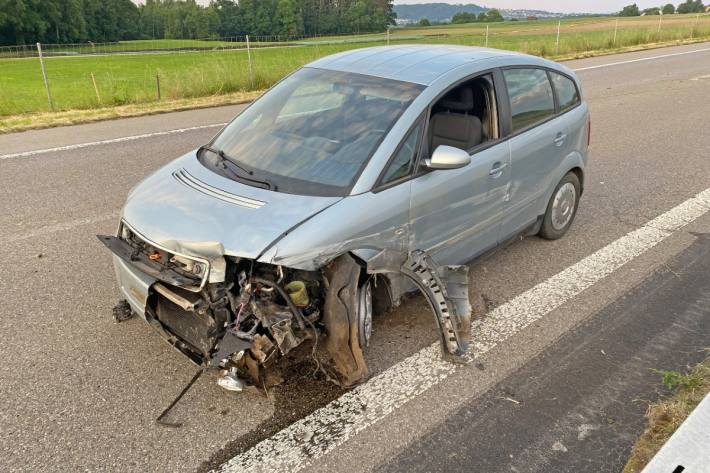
[[494, 15], [691, 6], [652, 11], [482, 16], [463, 17], [63, 21], [630, 10], [424, 22], [287, 18], [668, 9]]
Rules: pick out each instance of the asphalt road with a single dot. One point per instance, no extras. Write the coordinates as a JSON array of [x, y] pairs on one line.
[[79, 392], [536, 420]]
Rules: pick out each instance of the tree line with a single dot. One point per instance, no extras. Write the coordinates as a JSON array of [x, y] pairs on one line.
[[689, 6], [75, 21], [491, 15]]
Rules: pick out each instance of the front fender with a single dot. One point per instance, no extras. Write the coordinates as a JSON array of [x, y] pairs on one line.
[[373, 223]]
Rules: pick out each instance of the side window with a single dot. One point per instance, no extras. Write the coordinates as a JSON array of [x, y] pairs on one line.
[[403, 162], [531, 99], [566, 90]]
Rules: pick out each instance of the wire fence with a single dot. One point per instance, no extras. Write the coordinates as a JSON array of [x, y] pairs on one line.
[[54, 77]]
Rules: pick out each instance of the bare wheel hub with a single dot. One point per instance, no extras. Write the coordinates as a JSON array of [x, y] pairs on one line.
[[364, 314]]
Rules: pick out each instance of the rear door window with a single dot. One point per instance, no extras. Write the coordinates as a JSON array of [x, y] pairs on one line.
[[566, 90], [531, 99]]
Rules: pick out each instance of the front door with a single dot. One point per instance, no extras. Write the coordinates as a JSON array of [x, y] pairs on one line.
[[456, 214]]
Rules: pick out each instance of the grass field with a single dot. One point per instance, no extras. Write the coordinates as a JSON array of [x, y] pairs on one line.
[[131, 78]]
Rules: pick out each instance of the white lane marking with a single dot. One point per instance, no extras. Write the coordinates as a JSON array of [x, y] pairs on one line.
[[299, 444], [25, 154], [650, 58], [59, 227]]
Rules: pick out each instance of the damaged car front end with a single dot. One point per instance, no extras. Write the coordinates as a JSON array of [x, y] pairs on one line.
[[240, 316]]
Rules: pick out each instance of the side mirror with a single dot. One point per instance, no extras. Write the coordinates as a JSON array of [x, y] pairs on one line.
[[447, 157]]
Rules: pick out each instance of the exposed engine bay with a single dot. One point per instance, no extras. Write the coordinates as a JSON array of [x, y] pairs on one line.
[[240, 317]]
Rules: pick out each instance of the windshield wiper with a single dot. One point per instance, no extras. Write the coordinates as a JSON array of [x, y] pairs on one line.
[[224, 158], [227, 162]]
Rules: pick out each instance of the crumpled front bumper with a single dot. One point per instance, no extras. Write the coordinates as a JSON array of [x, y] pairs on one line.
[[133, 284]]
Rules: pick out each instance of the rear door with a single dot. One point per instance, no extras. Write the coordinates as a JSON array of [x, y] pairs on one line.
[[537, 145]]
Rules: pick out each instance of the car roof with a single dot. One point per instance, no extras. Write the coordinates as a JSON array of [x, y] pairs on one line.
[[421, 64]]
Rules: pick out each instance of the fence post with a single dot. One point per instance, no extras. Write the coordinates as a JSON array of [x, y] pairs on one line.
[[695, 23], [388, 36], [486, 35], [44, 76], [616, 28], [557, 44], [660, 19], [157, 84], [251, 71], [96, 89]]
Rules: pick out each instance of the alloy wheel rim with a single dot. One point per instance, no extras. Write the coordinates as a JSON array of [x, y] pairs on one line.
[[563, 206]]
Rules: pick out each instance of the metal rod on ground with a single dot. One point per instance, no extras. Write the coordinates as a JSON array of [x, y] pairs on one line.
[[157, 84], [486, 35], [251, 72], [96, 89], [44, 76], [616, 28], [557, 44]]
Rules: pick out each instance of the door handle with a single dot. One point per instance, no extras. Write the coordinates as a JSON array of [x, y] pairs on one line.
[[497, 169], [560, 139]]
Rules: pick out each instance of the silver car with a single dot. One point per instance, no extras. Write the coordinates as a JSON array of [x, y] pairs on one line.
[[357, 178]]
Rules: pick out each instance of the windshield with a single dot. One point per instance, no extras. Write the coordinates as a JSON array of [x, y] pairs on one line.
[[314, 132]]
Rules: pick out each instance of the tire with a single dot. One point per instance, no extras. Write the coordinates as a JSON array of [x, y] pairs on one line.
[[560, 212]]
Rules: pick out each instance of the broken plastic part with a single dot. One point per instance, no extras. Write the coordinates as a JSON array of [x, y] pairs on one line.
[[230, 381], [446, 291], [122, 311]]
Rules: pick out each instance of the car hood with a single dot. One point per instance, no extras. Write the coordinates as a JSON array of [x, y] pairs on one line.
[[186, 206]]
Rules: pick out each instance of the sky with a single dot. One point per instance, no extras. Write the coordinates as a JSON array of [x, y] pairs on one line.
[[562, 6]]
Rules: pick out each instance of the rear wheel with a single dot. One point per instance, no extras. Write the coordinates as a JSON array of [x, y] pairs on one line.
[[562, 208]]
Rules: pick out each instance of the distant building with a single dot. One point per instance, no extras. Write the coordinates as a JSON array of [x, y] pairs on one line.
[[404, 21], [531, 18]]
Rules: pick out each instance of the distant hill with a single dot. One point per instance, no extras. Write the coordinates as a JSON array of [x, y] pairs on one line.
[[444, 11], [434, 11]]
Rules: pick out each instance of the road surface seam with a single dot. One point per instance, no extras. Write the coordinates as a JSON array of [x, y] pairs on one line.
[[313, 436], [63, 226], [26, 154], [631, 61], [123, 139]]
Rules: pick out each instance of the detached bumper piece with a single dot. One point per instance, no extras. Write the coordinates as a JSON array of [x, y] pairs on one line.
[[446, 291]]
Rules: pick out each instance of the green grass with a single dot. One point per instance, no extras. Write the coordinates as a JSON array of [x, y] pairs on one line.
[[131, 78], [664, 416]]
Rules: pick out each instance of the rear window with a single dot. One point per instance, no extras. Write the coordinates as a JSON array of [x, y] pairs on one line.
[[566, 91], [531, 98]]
